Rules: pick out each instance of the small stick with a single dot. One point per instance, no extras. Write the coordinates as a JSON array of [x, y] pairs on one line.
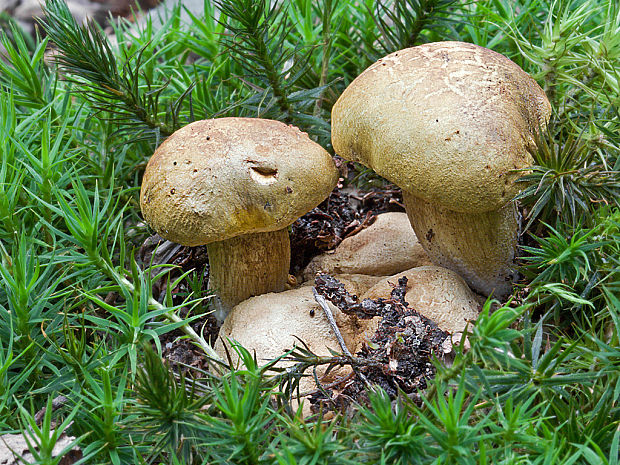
[[58, 402], [332, 322], [338, 382]]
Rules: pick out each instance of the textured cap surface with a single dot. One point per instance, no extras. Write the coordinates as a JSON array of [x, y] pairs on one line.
[[215, 179], [446, 121]]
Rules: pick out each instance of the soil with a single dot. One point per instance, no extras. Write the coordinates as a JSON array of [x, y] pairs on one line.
[[399, 356]]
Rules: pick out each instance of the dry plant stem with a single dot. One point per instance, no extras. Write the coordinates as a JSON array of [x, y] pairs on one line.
[[248, 265], [480, 247], [332, 322], [58, 402]]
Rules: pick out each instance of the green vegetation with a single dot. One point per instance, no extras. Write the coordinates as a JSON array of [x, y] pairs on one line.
[[541, 380]]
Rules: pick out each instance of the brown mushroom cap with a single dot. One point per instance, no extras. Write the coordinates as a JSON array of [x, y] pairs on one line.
[[216, 179], [386, 247], [448, 122], [270, 324]]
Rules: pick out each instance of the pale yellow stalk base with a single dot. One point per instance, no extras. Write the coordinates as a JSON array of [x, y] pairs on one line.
[[479, 247], [248, 265]]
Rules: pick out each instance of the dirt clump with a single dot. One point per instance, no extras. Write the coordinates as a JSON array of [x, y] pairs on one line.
[[397, 358]]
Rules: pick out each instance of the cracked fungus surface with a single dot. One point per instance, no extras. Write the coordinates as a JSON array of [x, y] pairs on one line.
[[216, 179], [449, 122]]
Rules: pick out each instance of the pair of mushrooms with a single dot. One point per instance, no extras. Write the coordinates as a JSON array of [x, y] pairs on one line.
[[448, 122]]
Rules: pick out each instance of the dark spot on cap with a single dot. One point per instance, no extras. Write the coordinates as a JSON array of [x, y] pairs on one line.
[[265, 171], [311, 312], [208, 137], [174, 163], [172, 191]]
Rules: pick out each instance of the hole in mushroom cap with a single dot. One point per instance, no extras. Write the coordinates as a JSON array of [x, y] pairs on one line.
[[263, 174]]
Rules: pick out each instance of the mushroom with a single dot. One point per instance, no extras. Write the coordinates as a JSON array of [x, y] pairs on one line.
[[271, 324], [386, 247], [451, 123], [236, 184]]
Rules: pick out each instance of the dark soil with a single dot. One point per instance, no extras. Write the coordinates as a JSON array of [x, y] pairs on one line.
[[398, 357]]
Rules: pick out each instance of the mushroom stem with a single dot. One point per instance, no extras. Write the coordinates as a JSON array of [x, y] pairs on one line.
[[478, 246], [248, 265]]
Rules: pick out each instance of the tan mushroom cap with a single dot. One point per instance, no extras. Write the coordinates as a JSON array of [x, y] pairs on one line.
[[386, 247], [448, 122], [273, 323], [268, 325], [216, 179]]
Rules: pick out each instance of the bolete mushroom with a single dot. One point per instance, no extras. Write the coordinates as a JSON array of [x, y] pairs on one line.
[[384, 248], [450, 123], [236, 184]]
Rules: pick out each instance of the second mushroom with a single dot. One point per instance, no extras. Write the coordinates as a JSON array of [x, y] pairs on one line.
[[236, 184], [451, 123]]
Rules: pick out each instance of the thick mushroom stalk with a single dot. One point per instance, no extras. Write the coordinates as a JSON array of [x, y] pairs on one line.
[[248, 265], [452, 124], [480, 247], [235, 185]]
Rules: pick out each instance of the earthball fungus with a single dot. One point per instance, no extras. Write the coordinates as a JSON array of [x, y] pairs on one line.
[[451, 123], [236, 184]]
